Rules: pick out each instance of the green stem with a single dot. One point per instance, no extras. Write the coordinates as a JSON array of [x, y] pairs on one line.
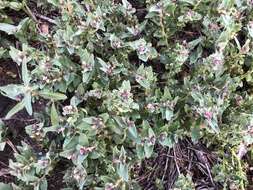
[[197, 4], [240, 169], [29, 12], [163, 30]]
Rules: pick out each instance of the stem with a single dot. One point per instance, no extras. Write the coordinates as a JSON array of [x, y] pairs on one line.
[[29, 12], [197, 4], [163, 30], [240, 169], [46, 18]]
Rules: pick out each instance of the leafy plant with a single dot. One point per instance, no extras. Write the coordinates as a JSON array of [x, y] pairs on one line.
[[119, 77]]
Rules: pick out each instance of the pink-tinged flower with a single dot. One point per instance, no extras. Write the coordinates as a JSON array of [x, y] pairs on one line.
[[109, 186], [72, 156], [86, 150], [213, 26], [136, 31], [130, 123], [97, 123], [189, 13], [61, 130], [151, 107], [208, 115], [43, 162], [83, 151], [86, 67], [139, 77], [125, 95], [68, 110], [217, 61], [142, 49]]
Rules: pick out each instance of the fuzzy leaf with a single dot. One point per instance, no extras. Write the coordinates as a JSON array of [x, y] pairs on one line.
[[25, 74], [15, 55], [52, 95], [54, 115], [2, 146], [148, 149], [8, 28], [28, 103], [4, 186], [18, 107], [12, 91], [123, 171]]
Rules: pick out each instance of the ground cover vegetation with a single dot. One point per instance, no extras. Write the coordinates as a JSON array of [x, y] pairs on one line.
[[126, 94]]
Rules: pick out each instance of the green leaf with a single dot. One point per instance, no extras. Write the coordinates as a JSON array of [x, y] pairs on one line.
[[151, 133], [18, 107], [16, 6], [166, 142], [43, 185], [248, 139], [12, 91], [214, 125], [2, 51], [54, 2], [15, 55], [83, 140], [54, 115], [52, 95], [28, 103], [195, 133], [126, 85], [145, 76], [140, 151], [70, 142], [168, 114], [250, 29], [8, 28], [2, 146], [192, 2], [122, 171], [148, 149], [133, 131], [25, 74], [4, 186], [87, 60]]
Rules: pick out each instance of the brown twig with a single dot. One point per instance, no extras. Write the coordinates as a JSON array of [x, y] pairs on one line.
[[4, 172], [45, 18], [3, 163], [175, 160], [166, 165], [11, 145], [30, 13], [202, 157]]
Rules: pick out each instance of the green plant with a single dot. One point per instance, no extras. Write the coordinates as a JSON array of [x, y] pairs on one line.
[[117, 82]]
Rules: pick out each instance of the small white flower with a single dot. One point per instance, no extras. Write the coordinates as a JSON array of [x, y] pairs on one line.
[[68, 110]]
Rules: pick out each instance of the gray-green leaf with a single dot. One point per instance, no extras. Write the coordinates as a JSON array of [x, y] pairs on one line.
[[11, 91], [28, 103], [4, 186], [15, 109], [52, 95], [54, 116], [8, 28]]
